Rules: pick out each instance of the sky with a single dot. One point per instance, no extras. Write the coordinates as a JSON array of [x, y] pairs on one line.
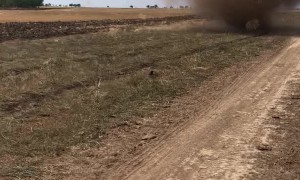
[[118, 3]]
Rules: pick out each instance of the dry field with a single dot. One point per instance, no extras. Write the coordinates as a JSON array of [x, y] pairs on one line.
[[81, 106], [69, 92], [80, 14]]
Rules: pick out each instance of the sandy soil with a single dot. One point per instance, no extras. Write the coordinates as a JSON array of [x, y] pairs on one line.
[[224, 141], [282, 159], [80, 14]]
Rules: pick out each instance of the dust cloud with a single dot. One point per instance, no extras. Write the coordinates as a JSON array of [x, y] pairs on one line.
[[243, 13]]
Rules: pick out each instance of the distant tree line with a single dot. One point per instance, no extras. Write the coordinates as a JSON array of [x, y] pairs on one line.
[[152, 7], [61, 5], [20, 3], [75, 5], [171, 7]]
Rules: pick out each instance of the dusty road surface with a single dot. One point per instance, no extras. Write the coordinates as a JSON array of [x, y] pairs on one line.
[[222, 142]]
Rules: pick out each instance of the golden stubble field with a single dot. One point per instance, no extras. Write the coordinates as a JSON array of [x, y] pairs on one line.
[[79, 14]]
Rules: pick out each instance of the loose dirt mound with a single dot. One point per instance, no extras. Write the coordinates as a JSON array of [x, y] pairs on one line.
[[10, 31]]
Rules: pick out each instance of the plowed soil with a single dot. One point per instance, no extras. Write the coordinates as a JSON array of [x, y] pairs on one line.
[[37, 30]]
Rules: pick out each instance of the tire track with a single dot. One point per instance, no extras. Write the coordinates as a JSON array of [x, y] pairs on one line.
[[145, 156]]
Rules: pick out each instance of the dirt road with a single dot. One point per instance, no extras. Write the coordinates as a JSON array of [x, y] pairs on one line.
[[222, 142]]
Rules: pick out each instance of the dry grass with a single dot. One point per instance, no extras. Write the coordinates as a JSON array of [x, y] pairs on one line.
[[61, 92], [77, 14]]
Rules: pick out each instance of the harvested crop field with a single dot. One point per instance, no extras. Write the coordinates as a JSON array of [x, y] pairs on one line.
[[85, 14], [37, 30], [69, 94], [98, 98]]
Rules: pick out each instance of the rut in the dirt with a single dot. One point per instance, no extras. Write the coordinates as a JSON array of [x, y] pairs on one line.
[[222, 142]]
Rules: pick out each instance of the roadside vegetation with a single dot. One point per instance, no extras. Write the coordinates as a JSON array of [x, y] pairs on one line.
[[62, 92]]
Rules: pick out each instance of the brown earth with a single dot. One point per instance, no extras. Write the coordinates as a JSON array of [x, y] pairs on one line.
[[281, 158], [217, 127], [81, 110], [86, 14], [37, 30], [255, 122]]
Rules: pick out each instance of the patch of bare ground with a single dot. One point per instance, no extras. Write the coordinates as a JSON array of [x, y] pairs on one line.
[[279, 156], [85, 104], [220, 143]]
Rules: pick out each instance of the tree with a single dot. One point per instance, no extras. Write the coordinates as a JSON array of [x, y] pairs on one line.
[[148, 6], [75, 5], [131, 6], [155, 6], [21, 3]]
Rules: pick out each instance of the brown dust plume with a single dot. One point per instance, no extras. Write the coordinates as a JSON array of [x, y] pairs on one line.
[[238, 12]]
